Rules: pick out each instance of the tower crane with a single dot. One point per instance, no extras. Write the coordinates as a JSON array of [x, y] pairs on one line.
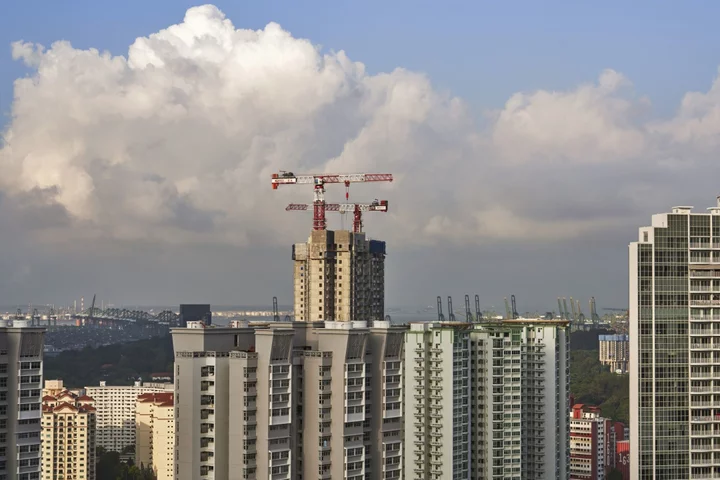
[[356, 208], [318, 181]]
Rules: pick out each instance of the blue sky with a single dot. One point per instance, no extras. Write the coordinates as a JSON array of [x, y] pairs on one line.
[[480, 51], [512, 229]]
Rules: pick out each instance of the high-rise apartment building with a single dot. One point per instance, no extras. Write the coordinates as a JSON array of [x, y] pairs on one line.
[[615, 352], [21, 367], [487, 400], [437, 401], [155, 433], [674, 340], [289, 401], [590, 443], [68, 437], [116, 412], [339, 276]]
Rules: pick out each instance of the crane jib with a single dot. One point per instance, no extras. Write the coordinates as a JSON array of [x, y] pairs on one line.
[[331, 178]]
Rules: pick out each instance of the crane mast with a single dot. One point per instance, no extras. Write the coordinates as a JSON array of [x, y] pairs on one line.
[[441, 317], [318, 181]]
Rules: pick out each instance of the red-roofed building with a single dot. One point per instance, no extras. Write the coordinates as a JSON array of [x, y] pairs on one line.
[[590, 448], [68, 434], [155, 433]]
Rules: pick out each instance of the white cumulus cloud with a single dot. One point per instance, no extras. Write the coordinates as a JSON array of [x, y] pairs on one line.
[[177, 140]]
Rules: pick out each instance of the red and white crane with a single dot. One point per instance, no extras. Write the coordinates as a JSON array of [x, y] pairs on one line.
[[356, 208], [319, 180]]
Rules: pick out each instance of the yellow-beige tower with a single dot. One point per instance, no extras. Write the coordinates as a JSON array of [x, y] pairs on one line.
[[339, 276], [68, 437]]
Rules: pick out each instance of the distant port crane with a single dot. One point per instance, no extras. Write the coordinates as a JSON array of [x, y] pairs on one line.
[[318, 181]]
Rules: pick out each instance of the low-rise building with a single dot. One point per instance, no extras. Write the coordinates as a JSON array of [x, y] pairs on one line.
[[155, 433], [68, 437], [615, 352]]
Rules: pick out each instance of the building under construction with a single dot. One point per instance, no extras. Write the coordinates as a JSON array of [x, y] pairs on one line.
[[338, 275]]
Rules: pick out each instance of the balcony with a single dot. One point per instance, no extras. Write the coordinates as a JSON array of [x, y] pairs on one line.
[[703, 302], [701, 331], [704, 419]]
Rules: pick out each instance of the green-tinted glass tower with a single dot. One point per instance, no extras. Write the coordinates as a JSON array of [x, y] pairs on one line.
[[675, 347]]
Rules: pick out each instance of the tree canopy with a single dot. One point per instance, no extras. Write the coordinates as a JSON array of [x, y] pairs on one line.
[[592, 383], [118, 364]]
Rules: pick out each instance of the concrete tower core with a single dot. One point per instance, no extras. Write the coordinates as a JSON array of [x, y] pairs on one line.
[[339, 276]]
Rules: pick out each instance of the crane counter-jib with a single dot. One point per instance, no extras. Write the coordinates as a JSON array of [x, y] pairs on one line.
[[377, 206]]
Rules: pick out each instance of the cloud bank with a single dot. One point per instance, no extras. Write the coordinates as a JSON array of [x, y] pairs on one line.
[[176, 141]]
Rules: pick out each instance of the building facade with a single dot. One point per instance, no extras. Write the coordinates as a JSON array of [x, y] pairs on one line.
[[487, 400], [21, 367], [339, 276], [155, 433], [437, 401], [591, 443], [289, 401], [674, 337], [195, 313], [68, 437], [115, 416], [56, 387], [615, 352], [622, 460]]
